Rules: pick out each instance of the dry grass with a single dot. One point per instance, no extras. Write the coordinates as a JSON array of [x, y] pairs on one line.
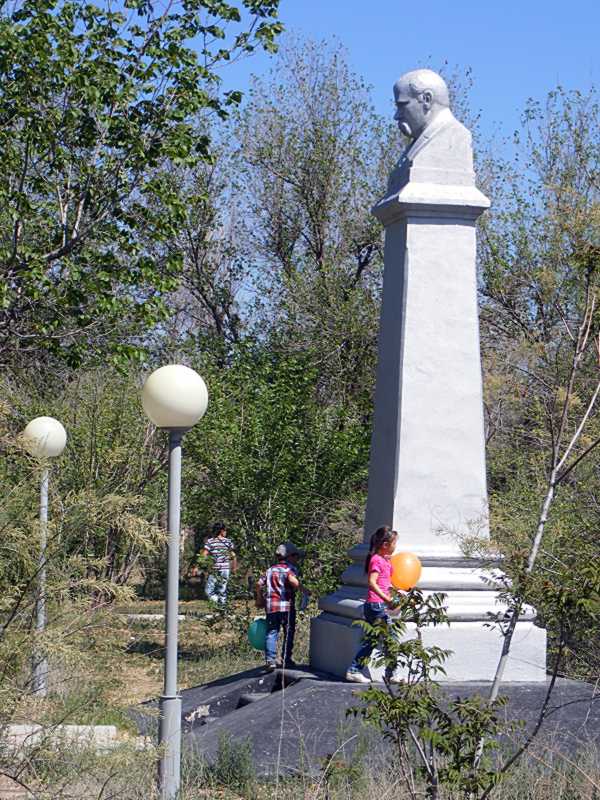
[[552, 778], [208, 649], [211, 648]]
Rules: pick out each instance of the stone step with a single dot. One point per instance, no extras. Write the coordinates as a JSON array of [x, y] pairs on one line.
[[20, 738], [10, 790], [251, 697], [23, 736]]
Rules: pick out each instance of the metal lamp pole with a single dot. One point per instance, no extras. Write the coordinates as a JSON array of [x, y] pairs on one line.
[[39, 681], [169, 734], [174, 397]]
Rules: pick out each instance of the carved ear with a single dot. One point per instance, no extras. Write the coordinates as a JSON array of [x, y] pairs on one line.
[[427, 96]]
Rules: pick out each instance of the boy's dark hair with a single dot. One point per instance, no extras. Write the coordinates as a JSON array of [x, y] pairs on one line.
[[381, 536], [218, 527]]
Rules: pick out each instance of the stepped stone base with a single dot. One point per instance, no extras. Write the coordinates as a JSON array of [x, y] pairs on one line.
[[472, 603], [476, 650]]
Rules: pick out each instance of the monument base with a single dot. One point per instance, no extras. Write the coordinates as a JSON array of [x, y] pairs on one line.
[[472, 604], [475, 650]]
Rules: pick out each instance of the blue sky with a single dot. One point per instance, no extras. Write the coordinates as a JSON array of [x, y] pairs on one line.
[[516, 50]]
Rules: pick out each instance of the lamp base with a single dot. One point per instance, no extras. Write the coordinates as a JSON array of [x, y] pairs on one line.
[[169, 736]]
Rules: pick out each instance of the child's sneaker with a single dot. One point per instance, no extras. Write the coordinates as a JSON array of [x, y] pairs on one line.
[[354, 676], [270, 666]]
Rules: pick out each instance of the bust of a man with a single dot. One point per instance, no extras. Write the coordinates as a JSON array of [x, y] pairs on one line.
[[439, 150]]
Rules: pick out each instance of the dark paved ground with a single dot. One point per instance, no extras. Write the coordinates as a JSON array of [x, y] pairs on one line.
[[295, 727]]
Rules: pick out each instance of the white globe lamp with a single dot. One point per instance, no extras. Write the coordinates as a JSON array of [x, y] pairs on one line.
[[174, 397], [45, 437]]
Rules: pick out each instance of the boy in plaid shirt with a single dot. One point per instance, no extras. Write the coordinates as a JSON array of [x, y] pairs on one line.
[[279, 585]]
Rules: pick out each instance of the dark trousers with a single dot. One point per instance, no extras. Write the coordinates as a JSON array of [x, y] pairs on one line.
[[275, 621], [372, 612]]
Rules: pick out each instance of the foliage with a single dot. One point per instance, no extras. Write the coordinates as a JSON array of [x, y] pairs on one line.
[[315, 155], [313, 143], [436, 737], [58, 770], [348, 774], [94, 104], [215, 253], [109, 490], [78, 642], [540, 328], [234, 765], [273, 461]]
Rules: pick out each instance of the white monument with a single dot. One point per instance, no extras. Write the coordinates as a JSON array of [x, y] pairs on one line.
[[427, 468]]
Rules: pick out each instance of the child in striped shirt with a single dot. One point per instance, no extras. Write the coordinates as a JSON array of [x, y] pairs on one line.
[[221, 551]]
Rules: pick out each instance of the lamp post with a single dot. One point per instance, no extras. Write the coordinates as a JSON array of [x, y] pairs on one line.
[[174, 398], [45, 438]]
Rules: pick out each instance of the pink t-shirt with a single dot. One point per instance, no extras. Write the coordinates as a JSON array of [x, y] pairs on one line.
[[383, 567]]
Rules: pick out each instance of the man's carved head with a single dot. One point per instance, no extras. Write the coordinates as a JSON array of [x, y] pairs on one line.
[[419, 96]]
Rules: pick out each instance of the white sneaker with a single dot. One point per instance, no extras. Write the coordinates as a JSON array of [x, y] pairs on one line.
[[356, 677]]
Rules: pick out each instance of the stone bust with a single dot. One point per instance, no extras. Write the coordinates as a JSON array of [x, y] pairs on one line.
[[440, 149]]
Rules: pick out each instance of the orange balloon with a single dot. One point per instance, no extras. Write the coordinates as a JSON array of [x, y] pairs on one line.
[[406, 570]]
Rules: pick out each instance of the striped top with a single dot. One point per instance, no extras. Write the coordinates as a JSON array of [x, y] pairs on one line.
[[220, 549]]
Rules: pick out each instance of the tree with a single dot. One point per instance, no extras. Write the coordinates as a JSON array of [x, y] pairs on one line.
[[434, 736], [111, 483], [274, 462], [210, 240], [316, 158], [541, 285], [93, 103]]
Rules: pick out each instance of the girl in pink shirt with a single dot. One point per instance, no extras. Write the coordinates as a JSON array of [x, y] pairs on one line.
[[379, 570]]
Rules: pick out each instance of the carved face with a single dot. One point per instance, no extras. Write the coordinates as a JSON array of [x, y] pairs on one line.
[[411, 111]]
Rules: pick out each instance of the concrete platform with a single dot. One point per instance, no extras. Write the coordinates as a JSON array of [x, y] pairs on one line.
[[301, 719]]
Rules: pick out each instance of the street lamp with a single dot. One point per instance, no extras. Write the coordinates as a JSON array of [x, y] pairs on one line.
[[174, 398], [45, 438]]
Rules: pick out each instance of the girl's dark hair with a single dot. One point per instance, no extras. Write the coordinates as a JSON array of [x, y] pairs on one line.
[[381, 536]]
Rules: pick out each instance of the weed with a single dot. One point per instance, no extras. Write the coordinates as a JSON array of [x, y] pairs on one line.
[[234, 765]]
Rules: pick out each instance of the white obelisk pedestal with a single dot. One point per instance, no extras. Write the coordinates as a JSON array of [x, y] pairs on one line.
[[427, 469]]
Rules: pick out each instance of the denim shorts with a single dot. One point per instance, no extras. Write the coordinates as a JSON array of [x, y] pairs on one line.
[[375, 611]]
